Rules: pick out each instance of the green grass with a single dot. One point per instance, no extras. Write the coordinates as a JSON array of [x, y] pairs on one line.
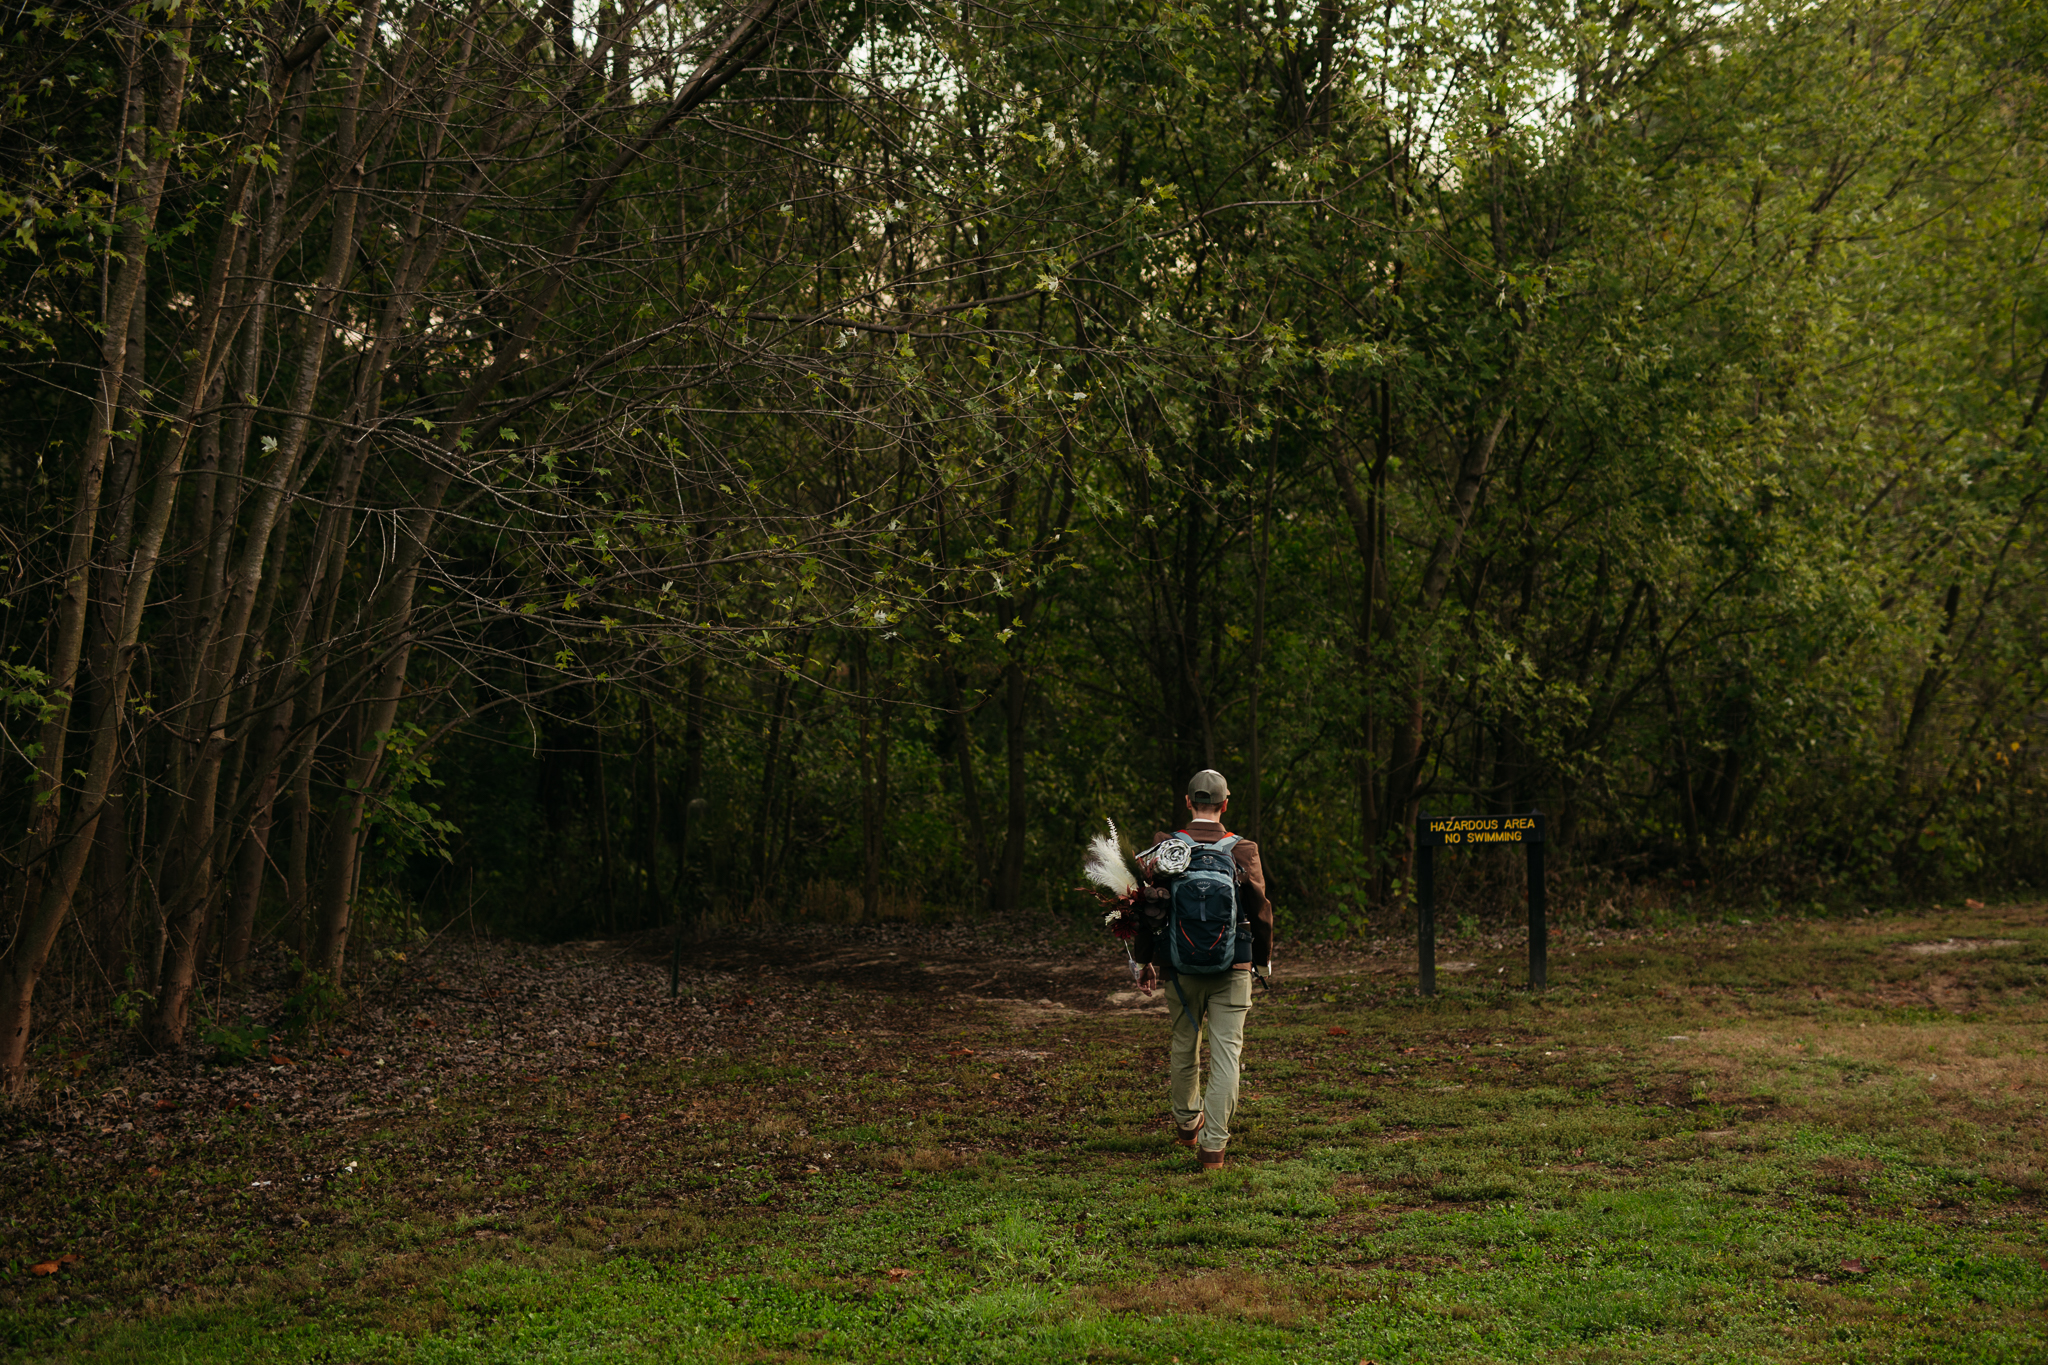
[[1742, 1149]]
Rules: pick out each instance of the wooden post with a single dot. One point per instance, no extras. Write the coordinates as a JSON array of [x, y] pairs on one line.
[[1425, 913], [1539, 923]]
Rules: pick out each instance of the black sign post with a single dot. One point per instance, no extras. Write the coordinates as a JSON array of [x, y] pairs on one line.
[[1425, 914], [1461, 831]]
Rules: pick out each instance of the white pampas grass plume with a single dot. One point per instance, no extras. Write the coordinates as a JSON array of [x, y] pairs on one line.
[[1105, 866]]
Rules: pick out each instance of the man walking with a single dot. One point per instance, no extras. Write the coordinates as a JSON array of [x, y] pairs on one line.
[[1215, 1002]]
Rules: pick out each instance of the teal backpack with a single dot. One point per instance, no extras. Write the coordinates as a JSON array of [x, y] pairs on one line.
[[1201, 920]]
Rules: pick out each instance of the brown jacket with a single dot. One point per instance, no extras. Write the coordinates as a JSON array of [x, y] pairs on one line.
[[1252, 904]]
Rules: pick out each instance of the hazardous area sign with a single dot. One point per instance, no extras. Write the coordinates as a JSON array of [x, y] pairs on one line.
[[1437, 830]]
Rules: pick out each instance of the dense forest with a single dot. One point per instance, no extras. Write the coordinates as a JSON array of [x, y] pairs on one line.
[[579, 467]]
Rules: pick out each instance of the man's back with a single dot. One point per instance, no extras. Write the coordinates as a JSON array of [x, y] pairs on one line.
[[1253, 906]]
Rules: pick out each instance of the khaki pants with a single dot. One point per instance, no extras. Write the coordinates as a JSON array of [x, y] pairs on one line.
[[1220, 1003]]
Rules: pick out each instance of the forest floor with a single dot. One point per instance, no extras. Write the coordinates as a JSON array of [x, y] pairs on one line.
[[1788, 1141]]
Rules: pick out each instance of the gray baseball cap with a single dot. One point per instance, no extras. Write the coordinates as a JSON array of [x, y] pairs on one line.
[[1207, 788]]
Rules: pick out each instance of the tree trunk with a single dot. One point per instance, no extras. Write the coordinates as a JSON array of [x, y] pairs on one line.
[[688, 900], [50, 872], [1932, 675], [1366, 511], [254, 857], [109, 917], [594, 774], [1016, 690], [119, 325], [217, 659], [1688, 809], [192, 895], [794, 745], [103, 661], [333, 914], [54, 899], [299, 866], [1200, 751], [1404, 767], [654, 906], [970, 783], [764, 808], [1260, 560], [866, 759]]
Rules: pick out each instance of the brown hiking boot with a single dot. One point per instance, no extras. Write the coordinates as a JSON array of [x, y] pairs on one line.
[[1186, 1136], [1207, 1161]]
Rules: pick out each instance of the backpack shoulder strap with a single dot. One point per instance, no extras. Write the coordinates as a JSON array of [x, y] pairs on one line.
[[1227, 844], [1183, 836]]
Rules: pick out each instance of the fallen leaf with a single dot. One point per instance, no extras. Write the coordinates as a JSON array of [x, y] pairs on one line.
[[1340, 1033], [1853, 1267], [153, 1172], [44, 1268], [68, 1258], [165, 1106]]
